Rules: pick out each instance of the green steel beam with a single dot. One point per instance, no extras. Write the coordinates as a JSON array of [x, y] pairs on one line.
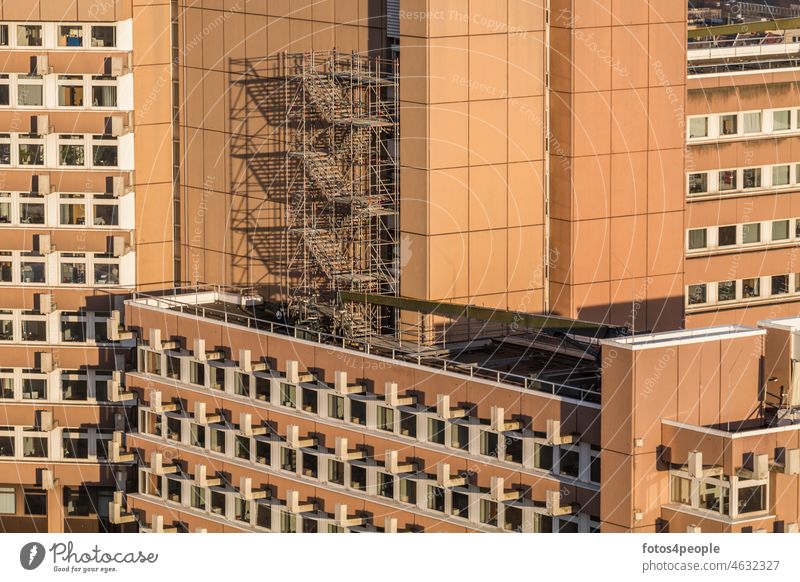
[[756, 26], [523, 320]]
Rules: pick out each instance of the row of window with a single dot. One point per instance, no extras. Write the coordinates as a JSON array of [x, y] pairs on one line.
[[745, 123], [743, 290], [416, 489], [61, 150], [59, 210], [81, 501], [51, 35], [737, 180], [719, 495], [471, 435], [58, 327], [60, 268], [731, 236], [59, 444], [19, 90], [25, 384]]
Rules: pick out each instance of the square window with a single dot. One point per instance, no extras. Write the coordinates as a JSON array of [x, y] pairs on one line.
[[780, 175], [751, 178], [29, 95], [752, 122], [780, 230], [729, 124], [698, 183], [726, 291], [436, 431], [104, 36], [697, 294], [31, 154], [698, 239], [780, 284], [70, 95], [726, 236], [70, 36], [782, 120], [751, 288], [751, 233], [104, 96], [698, 127], [727, 180]]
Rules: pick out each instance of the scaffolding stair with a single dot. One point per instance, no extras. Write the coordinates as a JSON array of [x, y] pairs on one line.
[[324, 93], [324, 175]]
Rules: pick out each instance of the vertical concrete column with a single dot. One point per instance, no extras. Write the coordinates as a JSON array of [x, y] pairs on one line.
[[55, 509]]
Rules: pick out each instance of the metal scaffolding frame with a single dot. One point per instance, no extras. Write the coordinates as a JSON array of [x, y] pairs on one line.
[[342, 177]]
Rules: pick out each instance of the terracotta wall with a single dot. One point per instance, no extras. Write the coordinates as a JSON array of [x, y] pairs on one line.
[[233, 213], [616, 154], [473, 140]]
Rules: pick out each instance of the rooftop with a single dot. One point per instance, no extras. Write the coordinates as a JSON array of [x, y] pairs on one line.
[[544, 361]]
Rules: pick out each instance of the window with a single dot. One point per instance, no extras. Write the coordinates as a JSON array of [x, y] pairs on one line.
[[726, 291], [6, 267], [385, 485], [104, 36], [726, 236], [752, 122], [70, 94], [3, 35], [715, 496], [594, 466], [752, 499], [29, 35], [242, 447], [358, 412], [197, 373], [34, 389], [489, 443], [698, 183], [73, 273], [32, 271], [751, 233], [104, 155], [697, 294], [288, 395], [543, 456], [7, 387], [198, 497], [782, 120], [698, 239], [72, 209], [729, 124], [34, 330], [780, 230], [30, 91], [681, 490], [7, 449], [698, 127], [780, 284], [310, 400], [218, 440], [727, 180], [488, 512], [71, 150], [35, 502], [408, 491], [6, 330], [73, 331], [70, 35], [107, 273], [751, 288], [385, 419], [31, 212], [335, 472], [8, 501], [336, 406], [104, 95], [288, 460], [435, 498], [513, 450], [408, 424], [459, 436], [569, 462], [75, 445], [34, 446], [5, 207], [241, 384], [31, 154], [310, 464], [358, 477], [436, 431], [5, 91], [751, 178], [780, 175], [74, 388]]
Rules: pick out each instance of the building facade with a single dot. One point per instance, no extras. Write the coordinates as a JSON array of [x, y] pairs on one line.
[[227, 226]]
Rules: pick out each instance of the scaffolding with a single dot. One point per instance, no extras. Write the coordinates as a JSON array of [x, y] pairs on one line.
[[341, 142]]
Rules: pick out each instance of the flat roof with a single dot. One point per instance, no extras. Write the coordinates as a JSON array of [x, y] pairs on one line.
[[788, 323], [683, 337]]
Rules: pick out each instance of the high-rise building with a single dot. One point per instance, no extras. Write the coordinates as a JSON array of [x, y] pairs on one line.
[[430, 265]]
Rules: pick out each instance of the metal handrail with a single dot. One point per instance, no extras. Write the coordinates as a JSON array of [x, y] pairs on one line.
[[323, 338]]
